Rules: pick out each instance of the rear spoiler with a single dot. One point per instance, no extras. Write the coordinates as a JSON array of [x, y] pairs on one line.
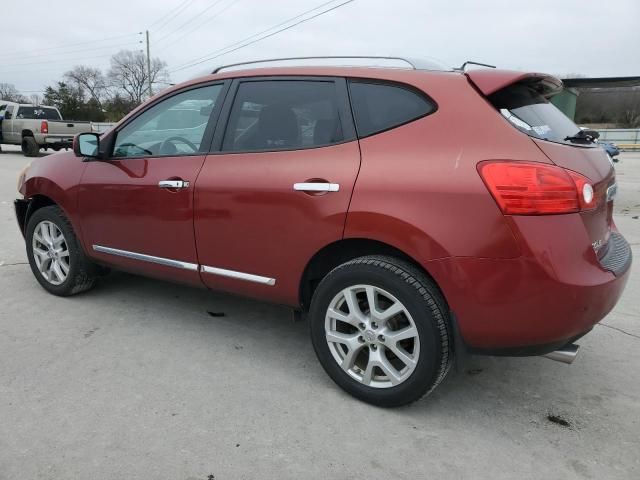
[[491, 81]]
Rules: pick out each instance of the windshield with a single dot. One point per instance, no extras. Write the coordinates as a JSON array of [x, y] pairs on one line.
[[532, 113], [38, 113]]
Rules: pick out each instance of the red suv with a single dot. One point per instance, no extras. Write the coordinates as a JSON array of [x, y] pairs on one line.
[[411, 213]]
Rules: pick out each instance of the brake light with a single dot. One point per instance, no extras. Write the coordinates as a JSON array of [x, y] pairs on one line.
[[44, 127], [527, 188]]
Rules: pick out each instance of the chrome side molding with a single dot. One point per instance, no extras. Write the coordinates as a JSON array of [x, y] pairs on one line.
[[249, 277], [167, 262]]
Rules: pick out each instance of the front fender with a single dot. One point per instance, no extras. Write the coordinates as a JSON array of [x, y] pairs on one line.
[[56, 178]]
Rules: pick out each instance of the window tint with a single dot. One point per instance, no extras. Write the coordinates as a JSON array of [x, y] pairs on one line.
[[174, 126], [529, 111], [379, 107], [283, 115], [37, 113]]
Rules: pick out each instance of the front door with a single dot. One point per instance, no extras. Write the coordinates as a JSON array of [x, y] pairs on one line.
[[7, 125], [279, 189], [137, 207]]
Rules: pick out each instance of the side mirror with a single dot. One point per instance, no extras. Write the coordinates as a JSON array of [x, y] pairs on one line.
[[86, 145]]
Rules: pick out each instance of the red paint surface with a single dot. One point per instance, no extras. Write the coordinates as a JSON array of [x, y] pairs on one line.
[[511, 281]]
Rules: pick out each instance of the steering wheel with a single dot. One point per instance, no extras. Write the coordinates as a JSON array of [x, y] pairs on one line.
[[170, 140]]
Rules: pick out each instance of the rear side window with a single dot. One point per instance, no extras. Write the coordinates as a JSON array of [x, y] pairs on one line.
[[270, 115], [37, 113], [532, 113], [381, 106]]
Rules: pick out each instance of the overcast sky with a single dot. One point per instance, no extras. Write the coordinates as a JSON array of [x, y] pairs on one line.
[[556, 36]]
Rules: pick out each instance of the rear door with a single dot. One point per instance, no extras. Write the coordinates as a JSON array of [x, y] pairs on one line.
[[279, 188], [137, 206]]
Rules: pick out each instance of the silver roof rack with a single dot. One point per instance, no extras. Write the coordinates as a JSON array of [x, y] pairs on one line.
[[414, 64]]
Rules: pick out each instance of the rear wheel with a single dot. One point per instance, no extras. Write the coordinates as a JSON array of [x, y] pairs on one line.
[[30, 147], [379, 327], [55, 256]]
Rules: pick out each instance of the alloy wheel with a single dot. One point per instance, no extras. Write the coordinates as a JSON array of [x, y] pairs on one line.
[[51, 252], [372, 336]]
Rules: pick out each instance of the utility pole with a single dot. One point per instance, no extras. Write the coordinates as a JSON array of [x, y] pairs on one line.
[[149, 66]]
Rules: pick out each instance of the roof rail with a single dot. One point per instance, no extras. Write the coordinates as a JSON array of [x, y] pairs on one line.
[[414, 64]]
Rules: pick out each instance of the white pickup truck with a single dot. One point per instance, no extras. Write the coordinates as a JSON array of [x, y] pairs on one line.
[[37, 126]]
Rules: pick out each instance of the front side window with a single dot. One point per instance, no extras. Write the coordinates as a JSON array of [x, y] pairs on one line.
[[37, 113], [175, 126], [381, 106], [283, 115]]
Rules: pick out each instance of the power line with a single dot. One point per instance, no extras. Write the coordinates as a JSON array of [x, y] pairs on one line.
[[169, 13], [71, 60], [228, 49], [172, 15], [64, 46], [289, 20], [207, 20], [71, 52], [215, 3]]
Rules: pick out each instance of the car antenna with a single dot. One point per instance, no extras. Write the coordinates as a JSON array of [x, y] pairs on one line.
[[470, 62]]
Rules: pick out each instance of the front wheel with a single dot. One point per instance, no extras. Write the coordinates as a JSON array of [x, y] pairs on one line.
[[380, 329], [55, 255]]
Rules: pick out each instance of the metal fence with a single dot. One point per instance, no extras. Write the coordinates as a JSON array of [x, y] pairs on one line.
[[625, 138]]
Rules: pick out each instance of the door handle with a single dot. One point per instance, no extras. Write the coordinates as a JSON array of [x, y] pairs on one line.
[[173, 184], [317, 187]]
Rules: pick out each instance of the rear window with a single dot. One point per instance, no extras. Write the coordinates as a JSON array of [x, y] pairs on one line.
[[532, 113], [379, 106], [37, 113]]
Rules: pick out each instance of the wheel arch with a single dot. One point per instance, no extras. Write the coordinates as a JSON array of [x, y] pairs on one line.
[[27, 133], [36, 202], [341, 251]]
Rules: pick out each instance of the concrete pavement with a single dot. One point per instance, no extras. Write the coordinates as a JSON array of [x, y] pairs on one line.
[[135, 380]]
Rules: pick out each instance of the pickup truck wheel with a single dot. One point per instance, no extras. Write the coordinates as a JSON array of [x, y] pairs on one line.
[[55, 256], [379, 327], [30, 147]]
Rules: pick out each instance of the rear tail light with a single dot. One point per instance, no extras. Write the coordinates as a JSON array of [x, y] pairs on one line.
[[527, 188], [44, 127]]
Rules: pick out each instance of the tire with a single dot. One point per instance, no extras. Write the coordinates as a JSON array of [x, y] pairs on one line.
[[80, 272], [30, 147], [398, 284]]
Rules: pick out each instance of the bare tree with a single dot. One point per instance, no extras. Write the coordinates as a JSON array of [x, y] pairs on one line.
[[89, 79], [128, 73], [35, 99], [9, 92]]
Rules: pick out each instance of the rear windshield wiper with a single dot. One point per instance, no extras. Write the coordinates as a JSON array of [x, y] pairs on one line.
[[584, 136]]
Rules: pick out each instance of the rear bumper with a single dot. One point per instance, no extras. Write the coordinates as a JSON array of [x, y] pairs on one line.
[[550, 296], [63, 142]]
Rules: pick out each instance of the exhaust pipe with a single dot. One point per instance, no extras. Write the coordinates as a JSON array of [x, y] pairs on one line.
[[566, 354]]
